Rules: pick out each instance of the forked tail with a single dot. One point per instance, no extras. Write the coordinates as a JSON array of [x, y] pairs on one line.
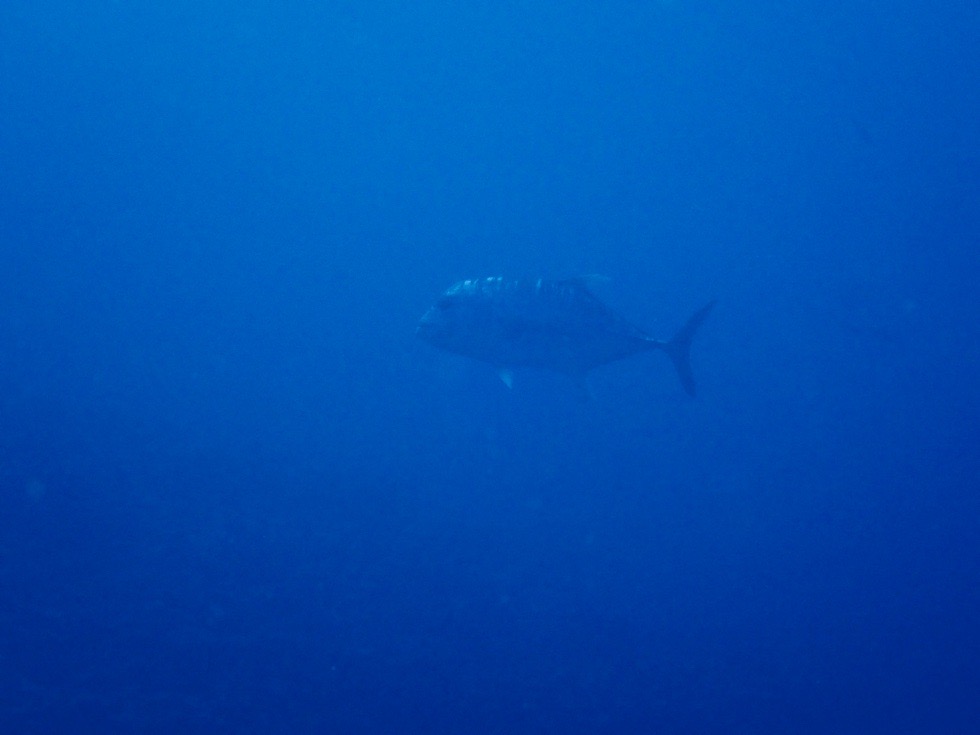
[[678, 349]]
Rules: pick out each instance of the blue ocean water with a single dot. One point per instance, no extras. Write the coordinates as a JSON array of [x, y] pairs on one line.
[[237, 495]]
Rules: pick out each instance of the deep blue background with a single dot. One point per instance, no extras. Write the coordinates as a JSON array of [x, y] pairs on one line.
[[237, 496]]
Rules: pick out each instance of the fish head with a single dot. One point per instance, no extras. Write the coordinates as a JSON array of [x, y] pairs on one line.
[[460, 320], [466, 321]]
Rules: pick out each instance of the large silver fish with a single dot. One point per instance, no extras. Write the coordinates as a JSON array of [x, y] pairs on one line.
[[557, 325]]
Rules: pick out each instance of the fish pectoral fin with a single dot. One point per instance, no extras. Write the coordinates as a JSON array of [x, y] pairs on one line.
[[507, 376]]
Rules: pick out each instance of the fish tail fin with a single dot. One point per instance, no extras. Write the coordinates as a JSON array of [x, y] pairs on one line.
[[678, 349]]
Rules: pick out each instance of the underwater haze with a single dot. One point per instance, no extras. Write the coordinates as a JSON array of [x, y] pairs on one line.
[[238, 495]]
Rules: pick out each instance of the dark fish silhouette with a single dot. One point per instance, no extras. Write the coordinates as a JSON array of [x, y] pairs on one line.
[[557, 325]]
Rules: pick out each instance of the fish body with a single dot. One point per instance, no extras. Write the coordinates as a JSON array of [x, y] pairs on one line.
[[538, 323]]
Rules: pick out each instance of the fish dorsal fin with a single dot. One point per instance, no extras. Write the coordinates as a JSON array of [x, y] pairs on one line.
[[588, 281]]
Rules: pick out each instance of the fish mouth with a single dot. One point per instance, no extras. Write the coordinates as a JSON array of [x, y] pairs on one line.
[[425, 326], [430, 328]]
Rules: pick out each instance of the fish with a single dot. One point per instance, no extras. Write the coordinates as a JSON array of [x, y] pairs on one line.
[[557, 325]]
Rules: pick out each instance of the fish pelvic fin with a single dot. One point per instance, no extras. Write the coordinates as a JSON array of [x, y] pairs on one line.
[[678, 348]]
